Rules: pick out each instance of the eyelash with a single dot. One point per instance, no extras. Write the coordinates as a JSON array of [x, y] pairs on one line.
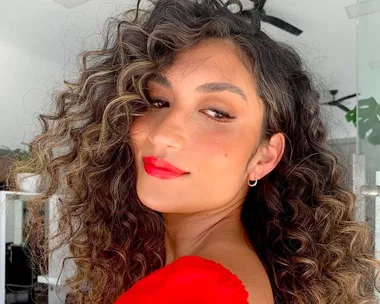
[[218, 112]]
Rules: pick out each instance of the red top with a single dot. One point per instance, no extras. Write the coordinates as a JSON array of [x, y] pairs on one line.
[[188, 280]]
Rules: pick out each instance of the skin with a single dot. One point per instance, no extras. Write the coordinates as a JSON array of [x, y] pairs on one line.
[[202, 208]]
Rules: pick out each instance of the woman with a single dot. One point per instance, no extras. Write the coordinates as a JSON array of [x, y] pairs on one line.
[[192, 167]]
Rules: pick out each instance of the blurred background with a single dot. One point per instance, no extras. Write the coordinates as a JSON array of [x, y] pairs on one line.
[[39, 43]]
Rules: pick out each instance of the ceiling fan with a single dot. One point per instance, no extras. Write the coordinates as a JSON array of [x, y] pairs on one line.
[[258, 8], [337, 102]]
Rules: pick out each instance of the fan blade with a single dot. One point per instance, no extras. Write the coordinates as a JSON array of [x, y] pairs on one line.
[[281, 24], [340, 100], [344, 98], [259, 4], [332, 103]]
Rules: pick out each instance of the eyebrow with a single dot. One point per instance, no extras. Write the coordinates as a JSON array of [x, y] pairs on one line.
[[208, 87]]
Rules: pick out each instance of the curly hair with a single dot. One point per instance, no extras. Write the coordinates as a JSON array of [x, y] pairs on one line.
[[299, 219]]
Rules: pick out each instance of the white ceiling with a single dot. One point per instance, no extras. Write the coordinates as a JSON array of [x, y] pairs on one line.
[[54, 32]]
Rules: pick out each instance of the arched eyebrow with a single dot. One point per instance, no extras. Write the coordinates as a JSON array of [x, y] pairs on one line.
[[208, 87]]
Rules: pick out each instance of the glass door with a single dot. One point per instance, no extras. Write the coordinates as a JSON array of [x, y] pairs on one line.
[[366, 169]]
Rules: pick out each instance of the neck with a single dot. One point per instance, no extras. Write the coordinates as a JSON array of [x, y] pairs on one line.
[[189, 234]]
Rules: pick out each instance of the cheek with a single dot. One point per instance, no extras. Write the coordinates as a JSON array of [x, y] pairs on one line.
[[138, 131], [219, 163], [221, 150]]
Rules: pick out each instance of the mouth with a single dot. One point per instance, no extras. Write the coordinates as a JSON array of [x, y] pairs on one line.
[[161, 168]]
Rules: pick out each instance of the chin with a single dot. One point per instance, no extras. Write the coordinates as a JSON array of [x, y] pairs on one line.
[[160, 196], [163, 205], [156, 201], [162, 208]]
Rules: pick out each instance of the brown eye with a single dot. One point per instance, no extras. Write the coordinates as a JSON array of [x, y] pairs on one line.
[[158, 103], [219, 114]]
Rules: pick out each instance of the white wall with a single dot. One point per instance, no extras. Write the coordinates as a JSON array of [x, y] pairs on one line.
[[328, 45], [26, 81], [38, 53], [51, 37]]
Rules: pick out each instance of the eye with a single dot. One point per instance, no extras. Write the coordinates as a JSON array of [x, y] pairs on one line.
[[218, 116], [157, 101]]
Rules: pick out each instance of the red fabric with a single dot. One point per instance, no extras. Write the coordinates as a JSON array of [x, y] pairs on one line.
[[188, 280]]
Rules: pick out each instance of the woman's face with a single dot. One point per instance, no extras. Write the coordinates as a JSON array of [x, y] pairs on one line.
[[187, 130]]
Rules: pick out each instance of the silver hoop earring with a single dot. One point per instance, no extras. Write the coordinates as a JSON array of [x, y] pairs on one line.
[[252, 185]]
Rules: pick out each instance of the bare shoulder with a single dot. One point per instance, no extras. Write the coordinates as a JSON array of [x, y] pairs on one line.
[[245, 264]]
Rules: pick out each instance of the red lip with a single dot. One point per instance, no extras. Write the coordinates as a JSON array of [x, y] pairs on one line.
[[161, 168]]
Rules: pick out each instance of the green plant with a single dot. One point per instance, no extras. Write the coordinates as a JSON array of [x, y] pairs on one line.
[[21, 154], [366, 117]]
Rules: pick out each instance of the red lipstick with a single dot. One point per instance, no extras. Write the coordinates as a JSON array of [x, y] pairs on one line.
[[161, 168]]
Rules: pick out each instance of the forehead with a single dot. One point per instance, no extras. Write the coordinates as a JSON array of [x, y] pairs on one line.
[[213, 58]]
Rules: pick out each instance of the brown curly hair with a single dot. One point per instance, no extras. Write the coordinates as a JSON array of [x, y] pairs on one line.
[[301, 223]]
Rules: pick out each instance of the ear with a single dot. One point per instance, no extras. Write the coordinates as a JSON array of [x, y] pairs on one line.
[[267, 157]]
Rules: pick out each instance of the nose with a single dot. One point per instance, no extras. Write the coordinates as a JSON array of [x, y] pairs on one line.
[[168, 132]]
